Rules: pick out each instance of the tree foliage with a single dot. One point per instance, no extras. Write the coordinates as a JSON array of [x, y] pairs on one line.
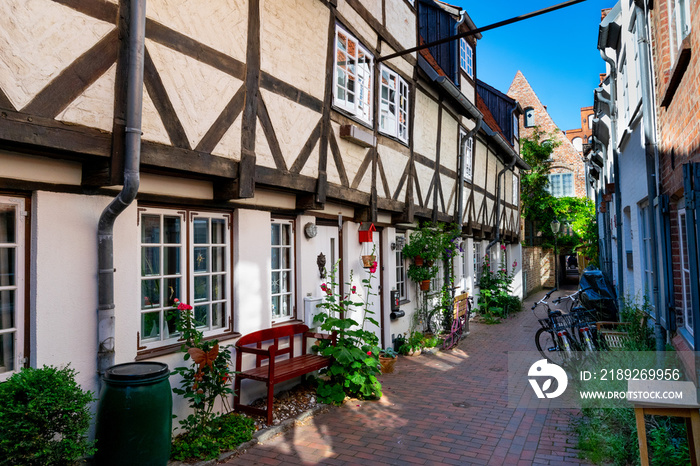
[[579, 229]]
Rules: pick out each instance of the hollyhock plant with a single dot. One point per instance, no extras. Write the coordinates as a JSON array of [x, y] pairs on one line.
[[355, 365]]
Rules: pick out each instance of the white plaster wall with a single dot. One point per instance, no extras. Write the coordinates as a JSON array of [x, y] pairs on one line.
[[220, 24], [394, 163], [95, 106], [425, 177], [182, 187], [292, 123], [425, 133], [401, 22], [63, 304], [59, 35], [449, 142], [294, 41], [251, 270], [479, 168], [397, 63], [353, 156]]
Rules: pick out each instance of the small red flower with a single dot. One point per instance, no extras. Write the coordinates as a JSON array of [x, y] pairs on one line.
[[324, 286], [369, 353], [373, 268], [353, 289], [184, 307], [503, 247]]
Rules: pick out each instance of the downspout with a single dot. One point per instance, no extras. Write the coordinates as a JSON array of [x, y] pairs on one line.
[[616, 174], [132, 158], [607, 247], [652, 153]]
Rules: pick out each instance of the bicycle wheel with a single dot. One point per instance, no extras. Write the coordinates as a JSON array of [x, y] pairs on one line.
[[586, 340], [436, 321], [548, 346]]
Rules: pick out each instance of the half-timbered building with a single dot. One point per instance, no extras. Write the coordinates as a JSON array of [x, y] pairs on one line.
[[262, 138]]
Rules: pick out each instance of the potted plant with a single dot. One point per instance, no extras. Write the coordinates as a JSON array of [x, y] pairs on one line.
[[422, 275], [423, 245], [412, 345], [387, 359]]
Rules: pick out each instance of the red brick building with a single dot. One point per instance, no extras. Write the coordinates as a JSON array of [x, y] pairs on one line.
[[567, 175], [580, 136], [675, 31]]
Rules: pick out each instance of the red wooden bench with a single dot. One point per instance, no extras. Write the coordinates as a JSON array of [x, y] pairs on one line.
[[282, 363]]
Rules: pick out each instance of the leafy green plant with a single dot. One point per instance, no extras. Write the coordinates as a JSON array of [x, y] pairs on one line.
[[204, 381], [421, 273], [44, 416], [431, 342], [226, 433], [388, 352], [641, 335], [355, 365], [495, 299], [414, 342]]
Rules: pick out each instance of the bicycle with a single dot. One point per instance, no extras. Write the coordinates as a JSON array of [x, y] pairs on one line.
[[583, 322], [460, 321], [553, 340]]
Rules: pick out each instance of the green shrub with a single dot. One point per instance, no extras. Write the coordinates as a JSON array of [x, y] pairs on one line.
[[227, 432], [44, 416]]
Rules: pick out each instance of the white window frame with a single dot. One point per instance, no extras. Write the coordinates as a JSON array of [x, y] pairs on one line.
[[464, 266], [516, 189], [187, 275], [393, 104], [679, 24], [685, 274], [478, 264], [363, 75], [401, 279], [467, 155], [556, 185], [290, 312], [15, 333], [466, 57], [647, 249]]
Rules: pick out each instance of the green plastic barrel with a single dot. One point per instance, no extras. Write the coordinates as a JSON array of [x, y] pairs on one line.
[[134, 415]]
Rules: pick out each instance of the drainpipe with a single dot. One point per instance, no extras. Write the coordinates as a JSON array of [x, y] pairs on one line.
[[652, 153], [132, 156], [616, 174]]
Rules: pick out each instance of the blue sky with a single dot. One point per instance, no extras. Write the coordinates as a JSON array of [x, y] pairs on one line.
[[556, 51]]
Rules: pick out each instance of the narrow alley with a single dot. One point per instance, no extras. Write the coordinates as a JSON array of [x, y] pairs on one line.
[[448, 408]]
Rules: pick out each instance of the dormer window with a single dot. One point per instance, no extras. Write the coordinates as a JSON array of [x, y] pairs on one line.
[[352, 89], [466, 57]]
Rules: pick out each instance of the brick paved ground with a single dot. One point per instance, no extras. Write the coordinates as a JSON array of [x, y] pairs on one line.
[[449, 408]]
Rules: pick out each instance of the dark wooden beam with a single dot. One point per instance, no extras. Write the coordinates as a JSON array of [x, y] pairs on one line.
[[96, 173], [246, 182], [161, 100], [189, 161], [193, 49], [74, 79], [271, 135], [274, 178], [5, 101], [305, 152], [338, 159], [362, 168], [288, 91], [306, 201], [223, 122]]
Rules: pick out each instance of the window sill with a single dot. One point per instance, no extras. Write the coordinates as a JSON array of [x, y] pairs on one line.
[[404, 301], [358, 135], [677, 73], [175, 347]]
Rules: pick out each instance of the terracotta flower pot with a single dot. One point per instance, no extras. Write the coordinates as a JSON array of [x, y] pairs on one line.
[[414, 352], [367, 261], [425, 285], [387, 364], [418, 260]]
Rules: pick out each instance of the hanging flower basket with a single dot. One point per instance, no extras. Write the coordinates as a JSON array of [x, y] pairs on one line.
[[425, 285], [367, 261], [418, 260]]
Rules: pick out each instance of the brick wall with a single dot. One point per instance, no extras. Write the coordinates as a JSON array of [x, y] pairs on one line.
[[678, 120], [539, 266], [566, 159]]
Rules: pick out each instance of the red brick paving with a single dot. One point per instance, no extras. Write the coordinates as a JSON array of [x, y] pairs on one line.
[[417, 422]]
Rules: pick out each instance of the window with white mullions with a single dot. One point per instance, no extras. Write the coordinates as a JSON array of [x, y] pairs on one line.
[[401, 275], [393, 105], [282, 261], [561, 184], [466, 57], [12, 251], [647, 251], [478, 264], [352, 90], [166, 270], [210, 271], [679, 24], [685, 274], [466, 148]]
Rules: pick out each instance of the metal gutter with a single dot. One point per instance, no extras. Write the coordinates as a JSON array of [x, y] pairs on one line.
[[132, 156]]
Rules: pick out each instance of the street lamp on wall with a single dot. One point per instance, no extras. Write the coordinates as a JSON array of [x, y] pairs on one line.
[[555, 225]]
